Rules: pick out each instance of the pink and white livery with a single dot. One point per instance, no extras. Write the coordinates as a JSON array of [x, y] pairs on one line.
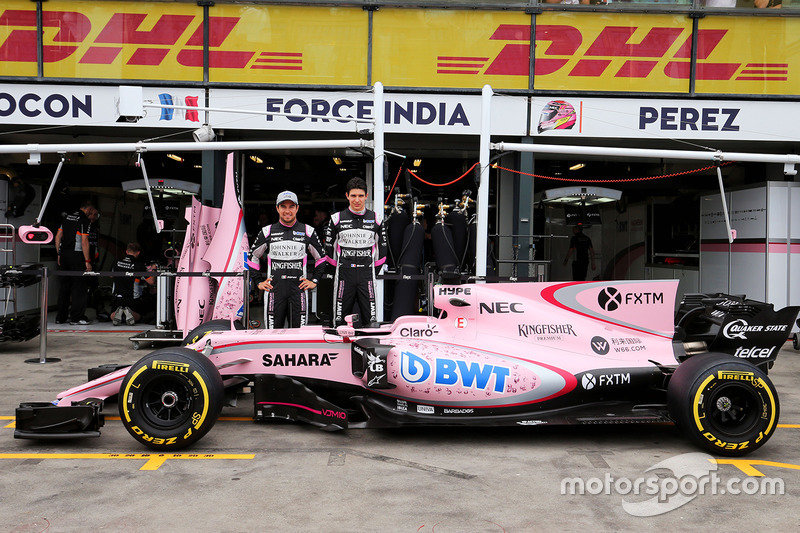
[[496, 354]]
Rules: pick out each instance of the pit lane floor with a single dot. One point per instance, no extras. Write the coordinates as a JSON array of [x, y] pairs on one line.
[[246, 476]]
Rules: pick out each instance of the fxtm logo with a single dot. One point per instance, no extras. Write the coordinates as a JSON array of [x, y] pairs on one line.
[[70, 30], [416, 369], [590, 381], [610, 299], [610, 54]]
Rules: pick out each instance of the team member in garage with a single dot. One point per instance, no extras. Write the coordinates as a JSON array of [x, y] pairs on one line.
[[72, 246], [581, 246], [287, 244], [356, 246]]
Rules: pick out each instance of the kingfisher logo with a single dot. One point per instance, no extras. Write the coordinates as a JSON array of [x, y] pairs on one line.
[[444, 371]]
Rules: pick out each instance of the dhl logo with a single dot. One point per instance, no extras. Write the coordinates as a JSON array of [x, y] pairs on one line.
[[150, 47], [611, 53]]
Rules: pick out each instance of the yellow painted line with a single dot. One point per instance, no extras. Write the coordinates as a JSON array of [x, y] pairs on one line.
[[153, 461], [748, 466], [7, 417], [790, 426]]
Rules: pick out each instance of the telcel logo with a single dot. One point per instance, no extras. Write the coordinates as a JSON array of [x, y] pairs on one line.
[[416, 369], [754, 352]]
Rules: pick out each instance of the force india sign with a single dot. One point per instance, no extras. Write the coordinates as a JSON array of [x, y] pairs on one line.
[[403, 113]]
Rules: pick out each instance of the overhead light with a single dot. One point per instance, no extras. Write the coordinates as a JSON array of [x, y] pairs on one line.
[[577, 166], [581, 195], [342, 169], [337, 160], [269, 168], [167, 187], [198, 166], [175, 157], [255, 159], [204, 134], [417, 162]]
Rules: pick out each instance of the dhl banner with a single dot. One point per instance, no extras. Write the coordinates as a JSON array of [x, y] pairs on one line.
[[748, 55], [423, 48], [443, 48], [164, 41]]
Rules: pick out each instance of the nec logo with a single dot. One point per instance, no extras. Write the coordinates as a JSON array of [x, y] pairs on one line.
[[501, 307], [615, 52]]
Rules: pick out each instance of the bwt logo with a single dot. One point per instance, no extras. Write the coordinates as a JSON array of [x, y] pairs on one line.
[[618, 51], [416, 369], [610, 299]]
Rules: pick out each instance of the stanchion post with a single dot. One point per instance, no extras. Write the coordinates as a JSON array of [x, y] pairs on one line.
[[43, 325]]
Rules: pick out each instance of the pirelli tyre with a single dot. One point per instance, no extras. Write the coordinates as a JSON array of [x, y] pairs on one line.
[[220, 324], [726, 405], [171, 398]]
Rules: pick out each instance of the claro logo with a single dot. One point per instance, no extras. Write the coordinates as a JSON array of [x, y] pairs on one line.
[[615, 52]]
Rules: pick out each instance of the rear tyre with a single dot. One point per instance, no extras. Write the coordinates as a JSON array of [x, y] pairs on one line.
[[220, 324], [171, 398], [795, 342], [727, 406]]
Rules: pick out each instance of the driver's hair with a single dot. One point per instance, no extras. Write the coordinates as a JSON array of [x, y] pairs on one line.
[[355, 183]]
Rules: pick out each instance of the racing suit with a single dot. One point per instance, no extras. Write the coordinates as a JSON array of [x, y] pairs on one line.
[[356, 246], [287, 250]]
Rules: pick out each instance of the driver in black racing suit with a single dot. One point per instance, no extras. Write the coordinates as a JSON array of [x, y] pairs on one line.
[[356, 246], [287, 245]]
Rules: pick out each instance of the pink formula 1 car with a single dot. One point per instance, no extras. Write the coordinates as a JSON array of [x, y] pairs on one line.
[[496, 354]]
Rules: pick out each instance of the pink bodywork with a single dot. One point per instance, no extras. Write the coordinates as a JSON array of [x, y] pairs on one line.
[[495, 344]]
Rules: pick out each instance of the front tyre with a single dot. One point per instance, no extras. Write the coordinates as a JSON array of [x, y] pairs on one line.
[[171, 398], [727, 406]]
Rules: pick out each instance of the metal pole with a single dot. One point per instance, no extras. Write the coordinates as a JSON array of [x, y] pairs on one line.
[[647, 152], [379, 158], [43, 325], [183, 146], [482, 239]]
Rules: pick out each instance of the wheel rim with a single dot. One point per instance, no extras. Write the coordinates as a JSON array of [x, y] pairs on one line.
[[734, 409], [167, 401]]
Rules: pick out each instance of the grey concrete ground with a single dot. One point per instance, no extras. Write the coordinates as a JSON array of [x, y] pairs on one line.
[[245, 476]]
